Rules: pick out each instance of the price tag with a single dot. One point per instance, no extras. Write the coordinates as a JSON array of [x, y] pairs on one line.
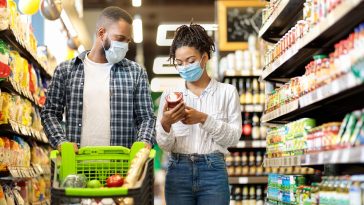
[[346, 156], [241, 144], [230, 72], [243, 180], [14, 172], [307, 159], [256, 144], [362, 155], [320, 159], [16, 128], [334, 157]]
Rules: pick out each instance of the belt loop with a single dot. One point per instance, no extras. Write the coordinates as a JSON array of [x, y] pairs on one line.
[[177, 156], [207, 159]]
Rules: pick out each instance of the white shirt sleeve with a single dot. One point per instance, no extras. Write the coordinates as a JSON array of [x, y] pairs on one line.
[[164, 139], [226, 134]]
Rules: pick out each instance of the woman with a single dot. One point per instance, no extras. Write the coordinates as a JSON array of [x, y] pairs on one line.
[[198, 131]]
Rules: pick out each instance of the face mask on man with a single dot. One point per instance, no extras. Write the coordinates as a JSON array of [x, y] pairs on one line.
[[192, 72], [116, 52]]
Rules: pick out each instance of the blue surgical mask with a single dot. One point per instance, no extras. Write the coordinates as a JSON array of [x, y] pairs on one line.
[[191, 73], [116, 52]]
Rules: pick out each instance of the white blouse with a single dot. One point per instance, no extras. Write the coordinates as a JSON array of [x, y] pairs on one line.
[[221, 130]]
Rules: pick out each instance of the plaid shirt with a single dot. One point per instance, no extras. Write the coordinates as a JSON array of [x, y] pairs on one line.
[[131, 119]]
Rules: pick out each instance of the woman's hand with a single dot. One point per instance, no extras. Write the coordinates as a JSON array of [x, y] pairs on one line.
[[194, 117], [171, 116]]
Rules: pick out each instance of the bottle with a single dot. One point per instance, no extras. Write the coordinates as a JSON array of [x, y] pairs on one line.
[[252, 167], [234, 82], [237, 164], [238, 196], [232, 196], [230, 165], [252, 199], [248, 92], [256, 93], [258, 163], [247, 126], [263, 132], [242, 91], [259, 197], [245, 195], [262, 92], [244, 164], [256, 127]]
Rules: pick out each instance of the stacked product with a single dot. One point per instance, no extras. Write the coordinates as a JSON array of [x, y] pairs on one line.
[[322, 70], [332, 190], [302, 136], [247, 62], [252, 195], [10, 18]]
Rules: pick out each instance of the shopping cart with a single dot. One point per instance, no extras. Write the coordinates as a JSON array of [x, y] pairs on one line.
[[100, 163]]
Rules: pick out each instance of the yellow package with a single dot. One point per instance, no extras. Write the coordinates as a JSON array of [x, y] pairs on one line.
[[5, 108], [26, 114]]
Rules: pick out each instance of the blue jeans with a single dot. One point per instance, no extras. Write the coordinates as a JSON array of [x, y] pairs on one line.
[[197, 180]]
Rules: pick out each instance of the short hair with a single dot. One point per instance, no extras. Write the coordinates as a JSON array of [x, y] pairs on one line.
[[193, 35], [113, 14]]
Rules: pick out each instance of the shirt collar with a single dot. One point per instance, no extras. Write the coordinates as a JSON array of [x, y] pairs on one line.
[[210, 89]]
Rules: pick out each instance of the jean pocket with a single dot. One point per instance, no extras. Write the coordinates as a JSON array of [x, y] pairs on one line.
[[171, 164], [217, 164]]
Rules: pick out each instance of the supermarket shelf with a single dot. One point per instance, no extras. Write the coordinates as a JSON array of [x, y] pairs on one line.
[[281, 112], [242, 73], [342, 156], [14, 88], [21, 130], [251, 144], [252, 108], [23, 173], [322, 101], [325, 34], [46, 202], [286, 14], [9, 36], [248, 180]]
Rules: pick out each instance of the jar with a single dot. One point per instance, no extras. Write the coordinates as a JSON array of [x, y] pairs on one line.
[[301, 25], [293, 36], [307, 10]]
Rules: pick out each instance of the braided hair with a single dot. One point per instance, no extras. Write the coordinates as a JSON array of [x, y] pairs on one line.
[[193, 35]]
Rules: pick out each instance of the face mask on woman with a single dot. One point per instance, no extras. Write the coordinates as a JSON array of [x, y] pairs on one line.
[[191, 72]]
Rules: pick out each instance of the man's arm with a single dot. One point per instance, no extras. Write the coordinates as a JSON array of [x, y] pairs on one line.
[[52, 112], [143, 110]]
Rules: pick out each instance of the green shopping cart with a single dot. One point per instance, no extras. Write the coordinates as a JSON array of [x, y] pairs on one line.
[[99, 163]]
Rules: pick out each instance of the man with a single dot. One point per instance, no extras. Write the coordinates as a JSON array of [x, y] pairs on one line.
[[105, 96]]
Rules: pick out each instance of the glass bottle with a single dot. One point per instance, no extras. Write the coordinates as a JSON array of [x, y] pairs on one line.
[[248, 92], [256, 94], [256, 127]]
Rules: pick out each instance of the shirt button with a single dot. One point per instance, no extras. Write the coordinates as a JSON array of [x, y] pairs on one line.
[[80, 103], [79, 125], [81, 83]]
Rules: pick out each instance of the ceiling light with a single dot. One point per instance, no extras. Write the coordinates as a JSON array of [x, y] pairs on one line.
[[137, 3], [161, 65], [137, 29], [162, 39]]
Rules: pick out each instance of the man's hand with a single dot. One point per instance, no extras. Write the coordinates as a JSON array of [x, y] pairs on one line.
[[74, 147], [194, 117], [171, 116]]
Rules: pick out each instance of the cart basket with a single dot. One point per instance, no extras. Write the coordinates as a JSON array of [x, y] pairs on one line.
[[100, 162]]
